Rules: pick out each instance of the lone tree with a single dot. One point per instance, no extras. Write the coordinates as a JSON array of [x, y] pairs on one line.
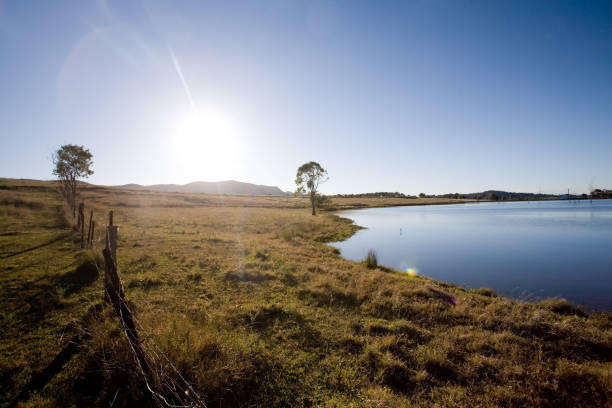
[[309, 176], [72, 162]]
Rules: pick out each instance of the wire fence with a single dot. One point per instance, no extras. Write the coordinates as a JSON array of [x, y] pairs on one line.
[[164, 382]]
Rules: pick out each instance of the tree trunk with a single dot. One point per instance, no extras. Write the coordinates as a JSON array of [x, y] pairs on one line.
[[73, 198]]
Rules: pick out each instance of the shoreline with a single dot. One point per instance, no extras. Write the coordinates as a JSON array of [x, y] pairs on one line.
[[459, 201], [389, 268]]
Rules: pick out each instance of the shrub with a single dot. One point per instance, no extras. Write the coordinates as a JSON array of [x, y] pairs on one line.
[[286, 235], [562, 307], [484, 292], [90, 259], [371, 260], [196, 277], [89, 264], [261, 254], [323, 201]]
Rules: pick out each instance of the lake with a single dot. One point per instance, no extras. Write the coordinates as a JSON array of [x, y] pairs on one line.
[[527, 250]]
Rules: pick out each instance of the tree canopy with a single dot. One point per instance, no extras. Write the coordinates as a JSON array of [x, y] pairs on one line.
[[71, 163], [309, 176]]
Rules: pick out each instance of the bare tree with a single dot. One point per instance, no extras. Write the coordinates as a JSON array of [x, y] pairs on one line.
[[309, 176], [71, 163]]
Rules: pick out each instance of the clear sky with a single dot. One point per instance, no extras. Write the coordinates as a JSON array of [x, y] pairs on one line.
[[411, 96]]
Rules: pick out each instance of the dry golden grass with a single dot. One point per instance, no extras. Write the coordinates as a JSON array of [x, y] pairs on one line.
[[254, 309]]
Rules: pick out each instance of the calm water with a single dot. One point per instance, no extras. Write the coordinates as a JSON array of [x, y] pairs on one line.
[[527, 250]]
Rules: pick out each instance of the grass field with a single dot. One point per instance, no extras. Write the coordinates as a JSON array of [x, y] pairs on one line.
[[255, 310]]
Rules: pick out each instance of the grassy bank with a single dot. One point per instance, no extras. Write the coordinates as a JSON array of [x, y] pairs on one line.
[[254, 309]]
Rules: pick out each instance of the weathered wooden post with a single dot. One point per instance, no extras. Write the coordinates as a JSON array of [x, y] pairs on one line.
[[112, 284], [93, 226], [111, 232], [89, 229], [78, 219], [115, 295], [82, 223]]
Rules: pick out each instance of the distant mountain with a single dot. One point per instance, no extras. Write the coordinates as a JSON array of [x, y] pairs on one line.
[[230, 187]]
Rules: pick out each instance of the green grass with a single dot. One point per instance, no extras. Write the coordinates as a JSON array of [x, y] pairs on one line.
[[254, 309]]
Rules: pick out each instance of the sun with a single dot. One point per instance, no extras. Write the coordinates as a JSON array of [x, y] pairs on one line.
[[207, 144]]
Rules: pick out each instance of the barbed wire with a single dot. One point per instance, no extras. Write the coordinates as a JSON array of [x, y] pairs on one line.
[[170, 390], [165, 383]]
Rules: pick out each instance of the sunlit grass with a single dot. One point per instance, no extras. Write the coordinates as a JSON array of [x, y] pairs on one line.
[[246, 299]]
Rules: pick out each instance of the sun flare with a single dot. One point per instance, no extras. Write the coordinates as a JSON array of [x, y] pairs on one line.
[[206, 143]]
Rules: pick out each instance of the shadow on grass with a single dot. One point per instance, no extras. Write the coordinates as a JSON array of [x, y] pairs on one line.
[[274, 319], [328, 296], [29, 303], [52, 241], [84, 275], [72, 346], [248, 277], [38, 301]]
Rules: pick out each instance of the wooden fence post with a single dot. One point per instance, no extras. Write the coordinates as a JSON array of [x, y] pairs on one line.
[[82, 223], [112, 285], [111, 232], [115, 294], [93, 226], [89, 228]]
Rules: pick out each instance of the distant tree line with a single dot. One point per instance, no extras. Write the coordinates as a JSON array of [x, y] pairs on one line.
[[381, 194], [496, 195], [598, 193], [493, 195]]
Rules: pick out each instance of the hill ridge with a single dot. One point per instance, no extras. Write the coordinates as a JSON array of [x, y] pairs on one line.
[[230, 187]]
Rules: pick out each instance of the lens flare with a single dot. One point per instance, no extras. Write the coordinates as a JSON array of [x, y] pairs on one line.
[[411, 271]]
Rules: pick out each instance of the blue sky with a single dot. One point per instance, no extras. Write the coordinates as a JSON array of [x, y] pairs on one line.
[[411, 96]]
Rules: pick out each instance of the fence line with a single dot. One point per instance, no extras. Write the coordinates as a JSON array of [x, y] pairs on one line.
[[167, 389], [150, 363]]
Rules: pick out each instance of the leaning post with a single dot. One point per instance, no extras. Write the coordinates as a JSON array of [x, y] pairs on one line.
[[115, 295]]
